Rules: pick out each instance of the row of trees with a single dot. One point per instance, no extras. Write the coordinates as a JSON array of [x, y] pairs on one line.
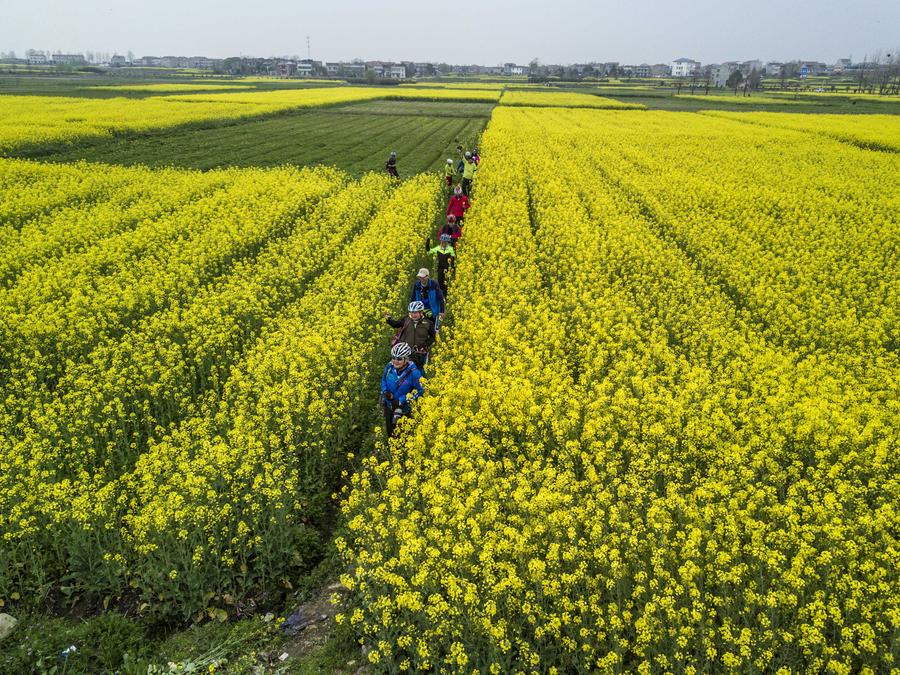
[[880, 75], [736, 80]]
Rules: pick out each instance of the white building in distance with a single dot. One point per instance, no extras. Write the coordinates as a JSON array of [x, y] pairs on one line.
[[684, 67], [722, 71]]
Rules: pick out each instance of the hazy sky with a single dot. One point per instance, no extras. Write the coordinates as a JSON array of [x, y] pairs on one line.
[[462, 31]]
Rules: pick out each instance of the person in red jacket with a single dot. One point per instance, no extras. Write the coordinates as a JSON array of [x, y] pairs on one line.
[[458, 205]]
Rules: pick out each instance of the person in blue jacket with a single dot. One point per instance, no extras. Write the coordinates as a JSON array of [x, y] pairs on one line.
[[400, 385], [428, 291]]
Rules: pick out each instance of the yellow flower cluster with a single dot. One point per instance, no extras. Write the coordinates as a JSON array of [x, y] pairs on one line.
[[487, 86], [267, 455], [563, 100], [30, 121], [825, 95], [190, 445], [869, 131], [128, 390], [48, 211], [624, 462], [59, 311]]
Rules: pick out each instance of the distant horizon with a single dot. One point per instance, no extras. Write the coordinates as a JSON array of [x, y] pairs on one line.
[[193, 54], [491, 33]]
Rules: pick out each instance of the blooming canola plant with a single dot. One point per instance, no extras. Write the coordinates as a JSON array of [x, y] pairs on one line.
[[661, 421]]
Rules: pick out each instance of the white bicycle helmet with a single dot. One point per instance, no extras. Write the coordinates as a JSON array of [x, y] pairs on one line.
[[445, 238], [416, 306], [401, 350]]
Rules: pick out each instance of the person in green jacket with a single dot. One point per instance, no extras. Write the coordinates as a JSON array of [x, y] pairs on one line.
[[468, 173], [445, 256]]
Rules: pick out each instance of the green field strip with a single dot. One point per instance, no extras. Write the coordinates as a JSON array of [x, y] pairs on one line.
[[210, 148], [326, 147], [418, 146], [353, 142], [405, 144], [426, 109], [467, 132]]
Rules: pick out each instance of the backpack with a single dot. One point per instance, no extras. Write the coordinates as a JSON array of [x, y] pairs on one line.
[[461, 166]]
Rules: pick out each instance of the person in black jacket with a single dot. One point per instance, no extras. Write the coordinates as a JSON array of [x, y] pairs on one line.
[[391, 165], [417, 331], [452, 228]]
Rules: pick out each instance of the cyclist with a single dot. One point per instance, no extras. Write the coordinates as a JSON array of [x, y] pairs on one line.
[[468, 174], [417, 331], [445, 255], [458, 205], [391, 165], [452, 228], [449, 173], [400, 385], [428, 292]]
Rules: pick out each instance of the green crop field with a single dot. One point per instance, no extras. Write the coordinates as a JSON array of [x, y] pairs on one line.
[[430, 108], [356, 138]]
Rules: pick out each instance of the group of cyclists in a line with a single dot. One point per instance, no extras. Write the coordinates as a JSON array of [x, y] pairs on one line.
[[416, 332]]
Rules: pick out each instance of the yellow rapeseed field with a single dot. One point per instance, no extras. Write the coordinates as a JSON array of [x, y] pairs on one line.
[[874, 131], [660, 427], [151, 334], [169, 87], [290, 98], [662, 432], [30, 121], [825, 95], [740, 99], [488, 86]]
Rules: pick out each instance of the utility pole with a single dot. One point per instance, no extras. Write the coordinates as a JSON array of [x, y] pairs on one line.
[[308, 50]]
